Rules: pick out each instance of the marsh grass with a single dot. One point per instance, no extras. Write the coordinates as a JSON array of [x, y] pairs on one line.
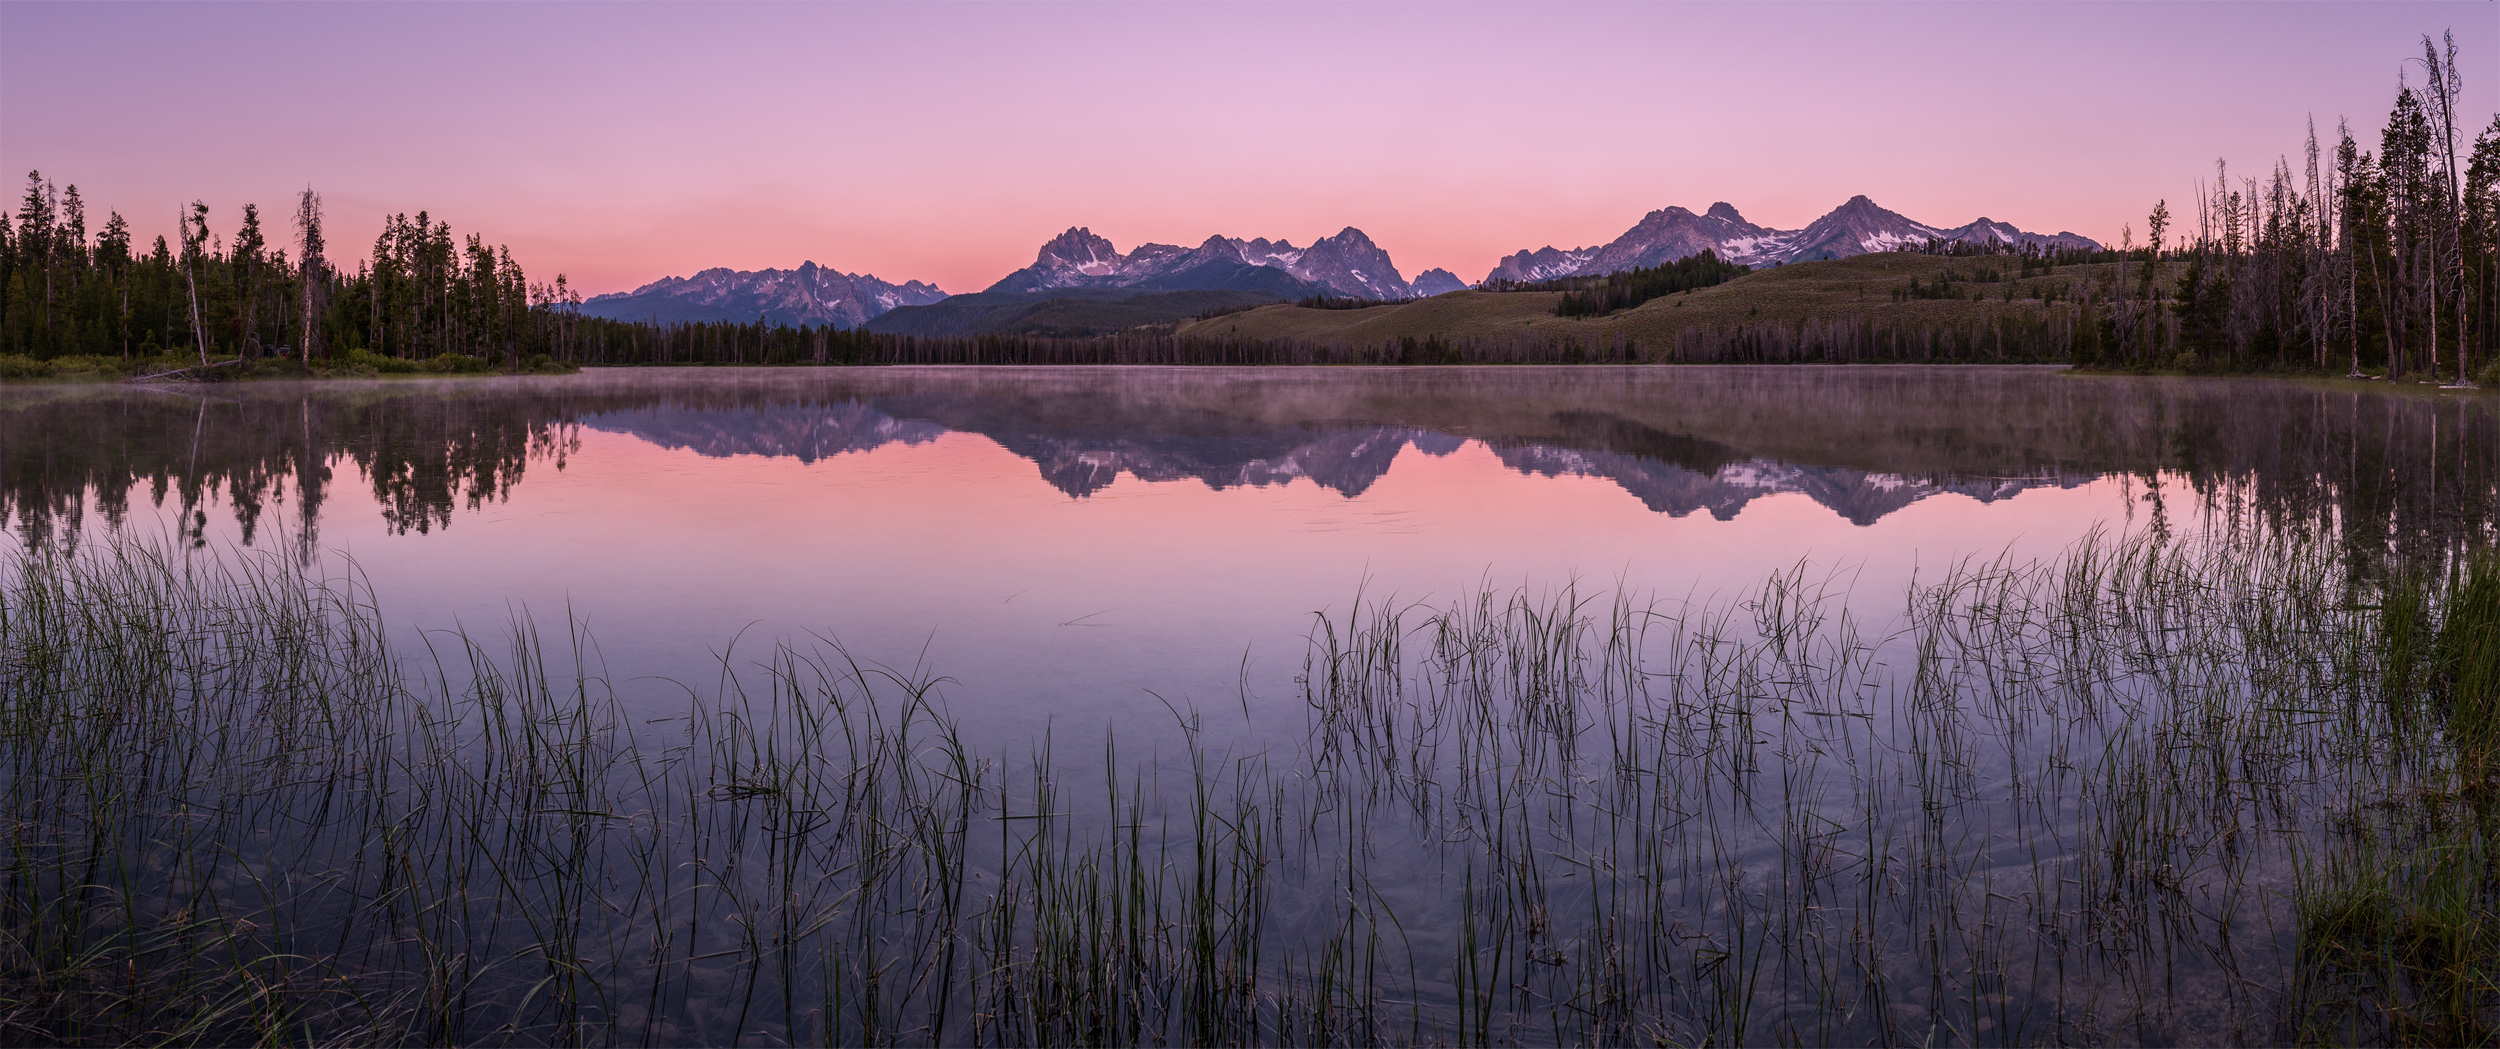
[[2222, 790]]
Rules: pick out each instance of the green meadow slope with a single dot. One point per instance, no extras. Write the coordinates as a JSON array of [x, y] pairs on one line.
[[1859, 289], [1065, 312]]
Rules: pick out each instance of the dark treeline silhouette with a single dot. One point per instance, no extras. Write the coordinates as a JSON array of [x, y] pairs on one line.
[[250, 291], [1598, 296], [2360, 262], [2042, 258], [1346, 302], [611, 343], [2008, 337]]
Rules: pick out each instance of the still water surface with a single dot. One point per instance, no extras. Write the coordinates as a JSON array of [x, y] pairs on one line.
[[1078, 547], [2045, 834]]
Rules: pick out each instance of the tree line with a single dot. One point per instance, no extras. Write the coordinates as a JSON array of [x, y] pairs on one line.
[[1325, 301], [247, 291], [1600, 295], [2364, 261]]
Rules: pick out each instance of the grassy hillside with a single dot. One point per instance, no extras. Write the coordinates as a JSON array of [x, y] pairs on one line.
[[1799, 305], [1065, 312]]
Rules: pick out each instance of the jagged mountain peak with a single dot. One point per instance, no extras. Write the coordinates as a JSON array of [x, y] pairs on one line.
[[810, 295], [1858, 226], [1079, 247], [1863, 209], [1346, 263], [1348, 237], [1436, 281]]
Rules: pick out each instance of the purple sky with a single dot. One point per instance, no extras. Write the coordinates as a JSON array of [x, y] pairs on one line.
[[945, 142]]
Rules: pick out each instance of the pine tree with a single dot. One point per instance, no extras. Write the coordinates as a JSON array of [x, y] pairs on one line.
[[112, 252], [34, 240], [2404, 166], [2482, 231], [246, 261]]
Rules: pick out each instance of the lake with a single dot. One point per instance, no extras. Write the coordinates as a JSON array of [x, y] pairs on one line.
[[1062, 541], [1581, 703]]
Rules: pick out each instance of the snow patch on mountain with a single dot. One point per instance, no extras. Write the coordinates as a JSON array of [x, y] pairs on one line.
[[1436, 281]]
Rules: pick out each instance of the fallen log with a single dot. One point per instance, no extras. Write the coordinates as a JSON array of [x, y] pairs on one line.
[[179, 371]]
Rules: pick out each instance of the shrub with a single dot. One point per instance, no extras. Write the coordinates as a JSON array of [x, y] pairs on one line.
[[370, 362], [456, 364], [13, 366]]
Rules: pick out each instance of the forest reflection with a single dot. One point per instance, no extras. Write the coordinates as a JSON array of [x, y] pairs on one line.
[[2393, 470]]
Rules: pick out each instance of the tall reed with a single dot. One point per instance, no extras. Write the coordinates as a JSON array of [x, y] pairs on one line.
[[2225, 789]]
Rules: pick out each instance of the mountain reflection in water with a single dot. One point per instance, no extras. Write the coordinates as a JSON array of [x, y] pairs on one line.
[[1696, 475], [2391, 467]]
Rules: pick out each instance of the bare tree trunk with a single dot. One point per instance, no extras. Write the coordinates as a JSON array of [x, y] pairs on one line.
[[2316, 250], [2444, 87], [191, 282], [308, 229]]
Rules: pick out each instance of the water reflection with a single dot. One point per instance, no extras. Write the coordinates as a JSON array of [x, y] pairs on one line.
[[2407, 470], [1728, 790], [425, 452]]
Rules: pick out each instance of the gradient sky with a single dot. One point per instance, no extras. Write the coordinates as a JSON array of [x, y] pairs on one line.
[[945, 142]]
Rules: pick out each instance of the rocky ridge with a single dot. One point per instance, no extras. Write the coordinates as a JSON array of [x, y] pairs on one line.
[[1347, 263], [1857, 227], [810, 295]]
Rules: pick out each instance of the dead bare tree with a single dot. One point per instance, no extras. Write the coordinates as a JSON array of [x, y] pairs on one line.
[[2440, 90], [194, 216], [316, 271]]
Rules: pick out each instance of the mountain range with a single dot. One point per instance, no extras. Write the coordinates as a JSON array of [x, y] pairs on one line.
[[1857, 227], [810, 295], [1080, 263], [1347, 264]]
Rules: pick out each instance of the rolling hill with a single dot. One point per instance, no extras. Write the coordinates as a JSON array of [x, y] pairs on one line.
[[1067, 311]]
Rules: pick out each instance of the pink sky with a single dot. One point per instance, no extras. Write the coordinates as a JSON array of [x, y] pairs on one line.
[[945, 142]]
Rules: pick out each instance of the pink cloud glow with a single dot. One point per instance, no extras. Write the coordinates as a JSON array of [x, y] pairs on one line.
[[945, 142]]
